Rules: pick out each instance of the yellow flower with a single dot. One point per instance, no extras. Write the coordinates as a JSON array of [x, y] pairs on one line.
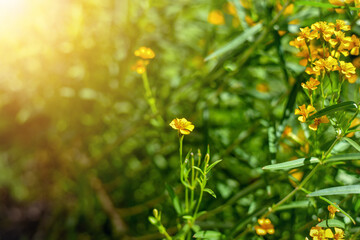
[[339, 234], [140, 66], [337, 2], [262, 87], [304, 112], [354, 45], [265, 227], [332, 210], [297, 174], [182, 125], [354, 123], [145, 53], [341, 25], [320, 234], [307, 34], [329, 64], [317, 122], [348, 70], [324, 29], [340, 39], [297, 43], [288, 10], [231, 9], [249, 21], [216, 17], [311, 84]]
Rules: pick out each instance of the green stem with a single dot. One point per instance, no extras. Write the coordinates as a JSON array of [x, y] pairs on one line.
[[163, 231], [186, 199], [308, 177], [202, 187], [198, 203], [150, 98], [192, 180], [181, 138]]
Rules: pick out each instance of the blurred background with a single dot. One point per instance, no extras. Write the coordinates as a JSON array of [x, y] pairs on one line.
[[81, 154]]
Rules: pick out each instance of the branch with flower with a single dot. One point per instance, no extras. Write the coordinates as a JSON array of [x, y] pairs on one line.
[[193, 176], [146, 54], [326, 47]]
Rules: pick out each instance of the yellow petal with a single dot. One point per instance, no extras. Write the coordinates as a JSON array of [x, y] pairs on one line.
[[190, 127], [329, 233], [184, 131]]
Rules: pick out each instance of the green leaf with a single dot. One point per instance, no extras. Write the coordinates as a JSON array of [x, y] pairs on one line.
[[211, 192], [352, 189], [297, 204], [343, 157], [199, 169], [320, 4], [344, 106], [292, 164], [174, 199], [315, 4], [208, 234], [236, 42], [187, 217], [212, 165], [153, 220], [352, 143], [331, 223]]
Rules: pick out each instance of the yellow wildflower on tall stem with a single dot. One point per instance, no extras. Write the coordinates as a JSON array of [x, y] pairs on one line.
[[184, 127], [146, 54]]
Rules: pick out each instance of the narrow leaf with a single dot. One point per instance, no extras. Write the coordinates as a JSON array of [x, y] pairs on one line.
[[292, 164], [212, 165], [199, 169], [208, 234], [315, 4], [320, 4], [352, 143], [352, 189], [236, 42], [331, 223], [152, 220], [174, 199], [350, 105], [187, 217], [211, 192], [343, 157], [298, 204]]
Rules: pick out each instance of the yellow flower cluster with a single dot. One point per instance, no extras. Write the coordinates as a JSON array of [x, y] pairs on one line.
[[322, 45], [145, 54], [265, 227], [318, 233]]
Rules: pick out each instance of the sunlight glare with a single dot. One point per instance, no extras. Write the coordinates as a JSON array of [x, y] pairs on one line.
[[11, 13]]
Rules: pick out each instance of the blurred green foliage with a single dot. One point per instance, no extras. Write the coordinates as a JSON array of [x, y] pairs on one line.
[[82, 156]]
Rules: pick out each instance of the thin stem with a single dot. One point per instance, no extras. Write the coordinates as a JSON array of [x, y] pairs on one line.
[[181, 138], [148, 93], [198, 203], [186, 199], [150, 98], [202, 187], [163, 231], [308, 177], [192, 180]]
